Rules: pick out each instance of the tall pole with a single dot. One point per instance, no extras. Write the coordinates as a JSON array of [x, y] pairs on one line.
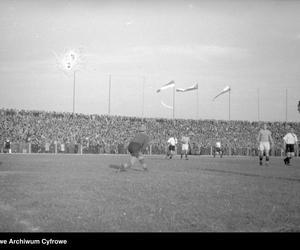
[[143, 97], [173, 103], [286, 104], [229, 104], [197, 103], [258, 108], [109, 91], [74, 93]]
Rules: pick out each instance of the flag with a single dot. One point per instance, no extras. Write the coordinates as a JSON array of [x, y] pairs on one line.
[[166, 86], [226, 89], [194, 87], [165, 105]]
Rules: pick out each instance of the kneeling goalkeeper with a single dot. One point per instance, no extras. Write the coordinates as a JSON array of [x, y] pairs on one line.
[[136, 146]]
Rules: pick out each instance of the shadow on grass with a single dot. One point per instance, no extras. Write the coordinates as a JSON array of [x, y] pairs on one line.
[[252, 175], [114, 166], [118, 167]]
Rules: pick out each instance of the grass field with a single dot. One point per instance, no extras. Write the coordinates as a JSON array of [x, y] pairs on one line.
[[80, 193]]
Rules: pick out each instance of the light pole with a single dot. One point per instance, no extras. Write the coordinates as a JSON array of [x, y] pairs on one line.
[[70, 64], [74, 92]]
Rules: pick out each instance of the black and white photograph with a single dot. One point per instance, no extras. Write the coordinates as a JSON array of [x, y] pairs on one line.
[[148, 116]]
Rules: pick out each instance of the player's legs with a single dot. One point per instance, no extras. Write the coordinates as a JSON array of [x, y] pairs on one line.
[[218, 150], [169, 152], [184, 150], [142, 161], [172, 151], [289, 153], [133, 149], [261, 153], [267, 151]]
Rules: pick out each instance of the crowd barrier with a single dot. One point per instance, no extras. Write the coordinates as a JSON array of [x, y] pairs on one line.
[[154, 149]]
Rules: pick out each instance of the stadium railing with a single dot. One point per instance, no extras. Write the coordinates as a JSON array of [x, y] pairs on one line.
[[155, 149]]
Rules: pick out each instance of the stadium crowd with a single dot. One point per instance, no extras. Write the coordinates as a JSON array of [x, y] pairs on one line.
[[111, 134]]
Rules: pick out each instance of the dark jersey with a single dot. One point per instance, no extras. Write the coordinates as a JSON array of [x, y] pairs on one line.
[[7, 145], [142, 139]]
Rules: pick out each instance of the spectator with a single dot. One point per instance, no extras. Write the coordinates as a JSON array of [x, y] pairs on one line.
[[107, 134]]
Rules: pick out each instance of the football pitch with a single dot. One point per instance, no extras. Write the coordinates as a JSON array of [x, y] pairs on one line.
[[81, 193]]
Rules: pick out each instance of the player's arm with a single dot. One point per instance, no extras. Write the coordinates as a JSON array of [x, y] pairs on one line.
[[258, 137], [296, 143], [284, 143]]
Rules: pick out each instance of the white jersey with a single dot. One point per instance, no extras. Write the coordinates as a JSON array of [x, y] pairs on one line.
[[185, 140], [264, 135], [218, 144], [290, 138], [185, 143], [172, 141]]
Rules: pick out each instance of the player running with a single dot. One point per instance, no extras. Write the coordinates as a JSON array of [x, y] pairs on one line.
[[218, 149], [137, 145], [171, 147], [7, 146], [265, 141], [185, 140], [290, 140]]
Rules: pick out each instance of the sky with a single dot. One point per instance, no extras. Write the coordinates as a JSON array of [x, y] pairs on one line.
[[251, 46]]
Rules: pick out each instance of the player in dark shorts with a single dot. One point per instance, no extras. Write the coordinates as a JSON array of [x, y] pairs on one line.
[[7, 146], [136, 147], [218, 149], [290, 141]]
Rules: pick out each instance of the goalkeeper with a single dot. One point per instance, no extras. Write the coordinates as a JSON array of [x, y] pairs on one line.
[[136, 147]]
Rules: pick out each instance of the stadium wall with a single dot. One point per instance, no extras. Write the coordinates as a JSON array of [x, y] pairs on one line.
[[72, 148]]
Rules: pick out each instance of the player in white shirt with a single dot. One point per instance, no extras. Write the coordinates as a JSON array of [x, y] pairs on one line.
[[290, 140], [171, 147], [218, 149], [265, 141], [184, 146]]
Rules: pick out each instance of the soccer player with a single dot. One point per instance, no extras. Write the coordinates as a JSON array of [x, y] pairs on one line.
[[136, 146], [289, 142], [265, 141], [7, 146], [218, 149], [171, 147], [185, 140]]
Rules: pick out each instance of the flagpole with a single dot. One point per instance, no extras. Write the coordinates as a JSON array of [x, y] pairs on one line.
[[109, 92], [173, 102], [229, 103], [258, 108], [197, 103], [286, 104], [143, 96]]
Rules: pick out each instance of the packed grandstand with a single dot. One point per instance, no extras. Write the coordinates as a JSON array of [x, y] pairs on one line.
[[64, 132]]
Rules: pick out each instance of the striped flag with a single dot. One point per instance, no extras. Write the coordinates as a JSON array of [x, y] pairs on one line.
[[194, 87], [166, 86], [226, 89]]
